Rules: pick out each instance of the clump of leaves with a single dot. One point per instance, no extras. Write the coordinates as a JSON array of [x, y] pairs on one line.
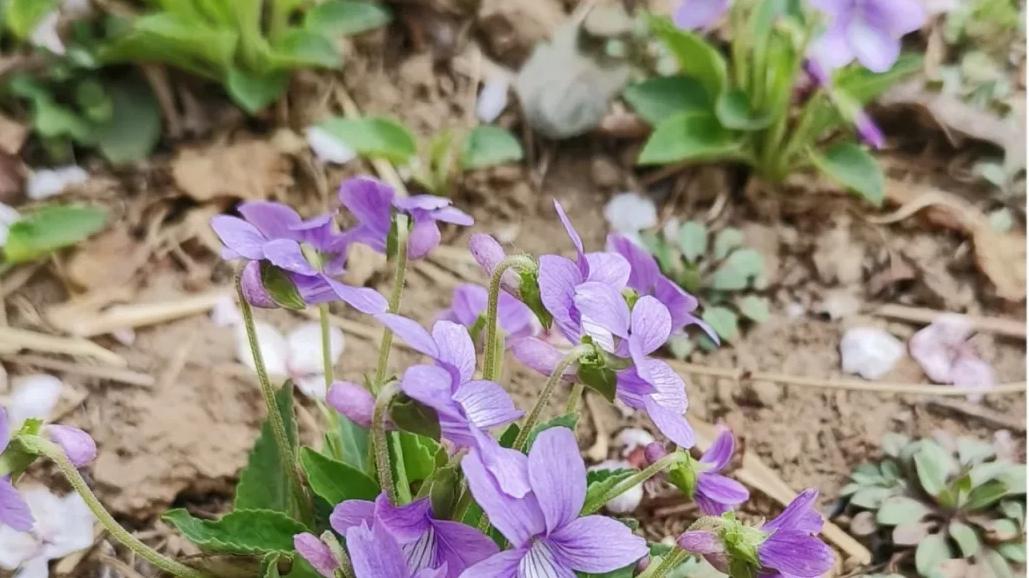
[[249, 46], [951, 505], [716, 267]]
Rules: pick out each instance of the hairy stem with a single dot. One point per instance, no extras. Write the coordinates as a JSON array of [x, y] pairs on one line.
[[545, 395], [278, 426], [323, 318], [671, 561], [123, 536], [594, 504], [380, 441], [490, 364], [399, 272], [573, 400]]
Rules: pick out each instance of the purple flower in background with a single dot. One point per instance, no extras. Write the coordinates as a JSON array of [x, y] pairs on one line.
[[716, 494], [547, 536], [317, 553], [699, 14], [427, 543], [646, 278], [374, 553], [353, 401], [373, 203], [469, 305], [275, 233], [868, 131], [466, 407], [14, 512], [866, 30]]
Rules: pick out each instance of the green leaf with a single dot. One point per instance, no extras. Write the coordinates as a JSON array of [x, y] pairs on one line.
[[598, 377], [280, 287], [986, 495], [996, 563], [445, 484], [723, 321], [931, 552], [346, 17], [696, 57], [965, 536], [972, 451], [301, 49], [734, 112], [569, 421], [726, 240], [1014, 551], [656, 99], [56, 121], [264, 483], [374, 137], [335, 481], [693, 240], [599, 482], [23, 16], [179, 39], [852, 167], [252, 91], [420, 455], [900, 510], [893, 443], [93, 101], [931, 464], [871, 498], [754, 308], [738, 270], [413, 416], [353, 440], [864, 85], [239, 532], [487, 146], [131, 133], [689, 136], [39, 233], [1013, 510]]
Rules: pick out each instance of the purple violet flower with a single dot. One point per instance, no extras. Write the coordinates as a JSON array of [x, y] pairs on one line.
[[547, 536], [374, 553], [469, 305], [353, 401], [868, 131], [646, 278], [275, 233], [373, 203], [699, 14], [467, 408], [14, 512], [317, 553], [716, 494], [427, 543], [866, 30], [786, 547]]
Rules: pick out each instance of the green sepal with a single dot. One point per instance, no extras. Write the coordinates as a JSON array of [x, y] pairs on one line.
[[528, 289], [280, 287], [413, 416]]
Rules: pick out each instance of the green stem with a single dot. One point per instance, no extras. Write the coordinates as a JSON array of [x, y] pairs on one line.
[[595, 503], [548, 391], [323, 317], [395, 295], [573, 400], [278, 426], [380, 441], [490, 364], [670, 562], [123, 536]]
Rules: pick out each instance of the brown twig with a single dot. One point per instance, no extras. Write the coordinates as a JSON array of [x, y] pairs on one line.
[[998, 325], [126, 376], [138, 314], [13, 340], [979, 412]]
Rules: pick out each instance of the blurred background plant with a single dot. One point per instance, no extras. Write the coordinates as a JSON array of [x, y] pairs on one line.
[[944, 506]]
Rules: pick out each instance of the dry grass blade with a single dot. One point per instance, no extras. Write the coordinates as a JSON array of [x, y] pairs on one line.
[[137, 314], [998, 325], [13, 340], [126, 376]]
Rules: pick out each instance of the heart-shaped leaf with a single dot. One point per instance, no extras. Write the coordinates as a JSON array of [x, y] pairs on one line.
[[263, 483], [689, 136]]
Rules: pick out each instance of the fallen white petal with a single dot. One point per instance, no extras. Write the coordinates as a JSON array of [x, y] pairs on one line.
[[870, 352], [16, 547], [327, 147], [273, 347], [7, 218], [313, 385], [492, 99], [33, 396], [937, 346], [225, 313], [630, 213], [305, 349], [631, 438], [45, 35], [45, 183], [73, 529], [62, 525]]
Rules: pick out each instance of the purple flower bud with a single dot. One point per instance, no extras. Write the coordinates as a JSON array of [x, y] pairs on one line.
[[816, 72], [317, 553], [869, 132], [77, 444], [654, 452], [353, 401], [253, 288], [487, 252]]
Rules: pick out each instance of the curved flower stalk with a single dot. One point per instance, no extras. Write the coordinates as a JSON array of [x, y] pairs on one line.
[[468, 307], [787, 546], [702, 480], [310, 252], [547, 536]]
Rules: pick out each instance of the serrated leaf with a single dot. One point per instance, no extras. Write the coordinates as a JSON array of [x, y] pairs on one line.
[[346, 17], [1001, 530], [852, 166], [692, 240], [570, 421], [374, 137], [264, 483], [656, 99], [965, 536], [487, 146], [239, 532], [350, 443], [300, 48], [723, 321], [930, 553], [1014, 510], [696, 57], [900, 510], [131, 133], [335, 481], [689, 136], [726, 240], [419, 456], [39, 233], [737, 271]]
